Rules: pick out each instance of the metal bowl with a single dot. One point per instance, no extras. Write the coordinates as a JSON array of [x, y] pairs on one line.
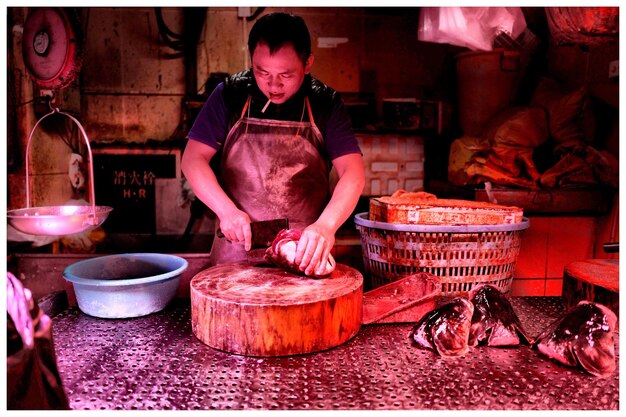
[[125, 285], [57, 220]]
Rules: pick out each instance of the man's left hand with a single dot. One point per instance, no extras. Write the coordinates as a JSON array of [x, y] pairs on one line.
[[314, 248]]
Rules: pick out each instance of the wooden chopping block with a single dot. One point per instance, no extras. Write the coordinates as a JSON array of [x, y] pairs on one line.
[[266, 311], [406, 300], [592, 280]]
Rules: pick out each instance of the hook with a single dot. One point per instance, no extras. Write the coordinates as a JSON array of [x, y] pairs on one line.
[[50, 100], [90, 156]]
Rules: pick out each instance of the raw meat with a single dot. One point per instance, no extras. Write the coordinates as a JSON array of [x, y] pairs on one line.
[[583, 336], [446, 329], [282, 253], [494, 320]]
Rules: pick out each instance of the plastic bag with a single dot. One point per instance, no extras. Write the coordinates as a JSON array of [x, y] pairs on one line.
[[587, 167], [463, 151], [471, 27], [518, 126], [570, 115], [33, 380], [589, 26], [482, 171], [514, 134]]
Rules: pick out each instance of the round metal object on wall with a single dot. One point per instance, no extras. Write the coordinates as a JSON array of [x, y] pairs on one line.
[[52, 47], [267, 311]]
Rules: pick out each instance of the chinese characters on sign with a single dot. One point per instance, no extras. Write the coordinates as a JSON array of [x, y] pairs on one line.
[[133, 183], [127, 182]]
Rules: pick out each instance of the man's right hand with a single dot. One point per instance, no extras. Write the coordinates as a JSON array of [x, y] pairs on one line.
[[236, 228], [235, 224]]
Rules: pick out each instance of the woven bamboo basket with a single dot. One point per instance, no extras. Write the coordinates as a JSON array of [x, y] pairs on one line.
[[462, 256]]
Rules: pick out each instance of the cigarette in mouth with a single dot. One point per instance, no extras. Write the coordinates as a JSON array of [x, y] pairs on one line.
[[266, 104]]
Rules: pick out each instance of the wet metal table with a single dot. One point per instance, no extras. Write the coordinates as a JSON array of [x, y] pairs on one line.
[[156, 363]]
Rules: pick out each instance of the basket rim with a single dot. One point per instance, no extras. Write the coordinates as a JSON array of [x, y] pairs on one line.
[[361, 219]]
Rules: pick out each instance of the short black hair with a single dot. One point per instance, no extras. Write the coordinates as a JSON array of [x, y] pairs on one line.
[[278, 29]]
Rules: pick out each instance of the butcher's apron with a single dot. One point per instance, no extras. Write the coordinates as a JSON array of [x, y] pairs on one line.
[[272, 169]]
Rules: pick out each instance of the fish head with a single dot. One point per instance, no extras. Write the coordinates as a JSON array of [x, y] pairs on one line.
[[594, 346], [450, 333]]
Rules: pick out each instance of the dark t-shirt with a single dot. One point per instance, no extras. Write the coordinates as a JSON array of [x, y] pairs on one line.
[[329, 112]]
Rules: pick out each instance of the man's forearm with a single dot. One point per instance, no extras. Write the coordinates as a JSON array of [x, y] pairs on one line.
[[205, 185], [343, 201]]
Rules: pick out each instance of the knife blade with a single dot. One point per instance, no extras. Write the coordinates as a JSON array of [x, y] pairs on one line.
[[263, 232]]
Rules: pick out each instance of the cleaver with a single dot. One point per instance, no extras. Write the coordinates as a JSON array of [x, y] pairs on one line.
[[263, 234]]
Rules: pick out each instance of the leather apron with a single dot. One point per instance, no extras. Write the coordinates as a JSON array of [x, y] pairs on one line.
[[272, 169]]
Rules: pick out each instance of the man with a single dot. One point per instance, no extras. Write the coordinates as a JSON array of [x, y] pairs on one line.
[[275, 130]]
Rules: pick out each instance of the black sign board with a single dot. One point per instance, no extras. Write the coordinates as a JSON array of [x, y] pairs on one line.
[[126, 183]]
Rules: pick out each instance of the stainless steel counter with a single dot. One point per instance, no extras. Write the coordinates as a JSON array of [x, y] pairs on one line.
[[155, 363]]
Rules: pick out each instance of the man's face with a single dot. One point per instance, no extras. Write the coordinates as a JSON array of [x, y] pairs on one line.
[[280, 75]]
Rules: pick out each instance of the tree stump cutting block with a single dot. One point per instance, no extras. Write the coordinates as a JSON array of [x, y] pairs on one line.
[[592, 280], [264, 311]]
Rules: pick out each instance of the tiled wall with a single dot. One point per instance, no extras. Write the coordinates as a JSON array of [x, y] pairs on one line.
[[392, 162], [548, 245]]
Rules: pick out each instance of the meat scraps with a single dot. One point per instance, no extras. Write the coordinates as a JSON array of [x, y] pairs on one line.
[[494, 321], [583, 336], [282, 253], [446, 329]]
